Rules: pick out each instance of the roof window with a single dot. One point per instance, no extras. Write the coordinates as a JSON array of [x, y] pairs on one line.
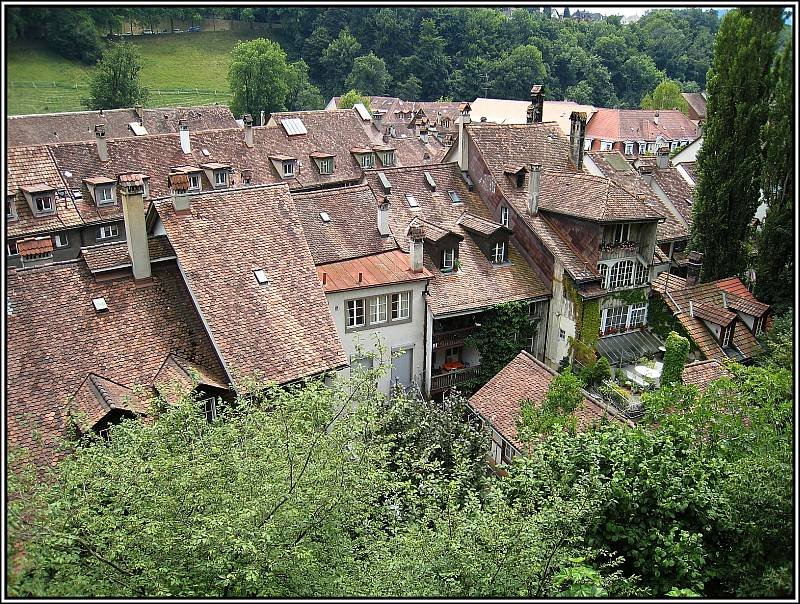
[[100, 304], [430, 181], [261, 277], [412, 201], [454, 197], [325, 217], [294, 126]]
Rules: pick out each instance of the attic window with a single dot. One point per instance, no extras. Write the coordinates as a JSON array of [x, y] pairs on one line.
[[261, 277], [220, 178], [430, 181], [294, 126], [11, 208], [366, 160], [44, 204], [387, 158], [325, 217], [100, 304], [205, 152], [104, 195], [325, 165], [288, 168], [520, 179], [412, 201], [454, 197]]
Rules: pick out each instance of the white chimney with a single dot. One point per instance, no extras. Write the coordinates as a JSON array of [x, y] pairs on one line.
[[534, 185], [655, 118], [383, 218], [102, 144], [132, 189], [179, 185], [691, 309], [725, 299], [417, 236], [248, 129], [186, 144], [261, 123], [139, 113], [662, 158], [463, 148]]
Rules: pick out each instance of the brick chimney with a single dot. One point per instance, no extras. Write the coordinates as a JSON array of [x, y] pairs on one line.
[[416, 233], [139, 114], [662, 158], [248, 129], [102, 144], [132, 193], [693, 268], [646, 172], [577, 132], [536, 108], [383, 217], [186, 144], [463, 120], [534, 185], [179, 185]]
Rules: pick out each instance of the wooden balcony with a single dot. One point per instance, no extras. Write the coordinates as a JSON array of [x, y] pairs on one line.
[[440, 383], [452, 338], [619, 252]]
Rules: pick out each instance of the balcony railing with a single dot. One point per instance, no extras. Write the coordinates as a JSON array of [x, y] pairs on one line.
[[452, 337], [456, 377], [619, 249]]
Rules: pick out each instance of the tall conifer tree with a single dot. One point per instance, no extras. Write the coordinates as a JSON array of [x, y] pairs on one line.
[[729, 163]]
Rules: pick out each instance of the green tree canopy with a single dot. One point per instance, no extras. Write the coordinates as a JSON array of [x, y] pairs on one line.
[[351, 97], [518, 71], [115, 81], [260, 77], [667, 95], [370, 75], [338, 58]]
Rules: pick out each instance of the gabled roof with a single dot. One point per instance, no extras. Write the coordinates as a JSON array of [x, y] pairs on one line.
[[526, 378], [505, 111], [55, 337], [79, 125], [353, 227], [177, 375], [385, 268], [639, 124], [702, 373], [97, 396], [282, 330], [481, 226], [115, 255], [697, 102], [713, 314], [709, 294], [479, 283]]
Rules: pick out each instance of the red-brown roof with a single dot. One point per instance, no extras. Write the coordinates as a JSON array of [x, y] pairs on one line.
[[107, 256], [702, 373], [178, 375], [526, 378], [281, 330], [711, 313], [97, 396], [385, 268], [638, 124], [34, 246]]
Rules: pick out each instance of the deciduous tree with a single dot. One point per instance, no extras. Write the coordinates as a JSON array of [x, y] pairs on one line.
[[260, 77], [369, 75], [667, 95], [115, 81]]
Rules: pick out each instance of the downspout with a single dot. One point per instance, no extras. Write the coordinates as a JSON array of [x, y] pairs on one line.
[[425, 381]]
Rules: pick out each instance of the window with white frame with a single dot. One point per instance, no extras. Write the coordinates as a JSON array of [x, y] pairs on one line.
[[11, 248], [673, 145], [567, 308], [355, 313], [587, 144], [11, 208], [616, 318], [651, 147], [194, 182], [377, 309], [105, 196], [622, 232], [107, 231], [499, 252], [629, 148], [603, 270], [326, 165], [387, 158], [641, 273], [60, 240], [620, 274], [638, 314], [642, 147], [220, 178], [448, 259], [504, 216], [367, 160], [506, 452], [445, 122], [209, 407], [606, 145], [288, 168], [726, 336], [562, 335], [758, 325], [44, 204], [401, 306]]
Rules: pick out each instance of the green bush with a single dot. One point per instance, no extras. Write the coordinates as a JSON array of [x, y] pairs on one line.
[[674, 359]]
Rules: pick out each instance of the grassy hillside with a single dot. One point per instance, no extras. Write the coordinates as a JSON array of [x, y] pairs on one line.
[[179, 69]]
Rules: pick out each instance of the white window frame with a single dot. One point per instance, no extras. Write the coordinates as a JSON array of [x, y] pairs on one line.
[[288, 168], [387, 158], [455, 198], [492, 186], [651, 147], [673, 145], [448, 259], [621, 274], [221, 178], [41, 198], [194, 182], [11, 248], [602, 268], [378, 310], [642, 147], [107, 231], [401, 306], [562, 335], [616, 317], [629, 147], [587, 144], [326, 165], [640, 274], [367, 160], [622, 232], [499, 249], [606, 145], [353, 310], [100, 192], [60, 240], [634, 311], [727, 333], [504, 216]]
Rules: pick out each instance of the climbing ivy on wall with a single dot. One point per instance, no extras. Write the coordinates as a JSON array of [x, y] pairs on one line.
[[587, 322], [662, 321], [674, 359], [631, 296]]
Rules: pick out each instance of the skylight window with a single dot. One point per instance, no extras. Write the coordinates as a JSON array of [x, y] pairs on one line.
[[385, 184], [261, 277], [454, 197], [293, 126], [412, 201], [430, 181], [205, 151], [100, 304], [325, 217]]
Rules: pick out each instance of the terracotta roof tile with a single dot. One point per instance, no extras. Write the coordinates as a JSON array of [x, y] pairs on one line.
[[179, 371], [282, 330], [714, 314], [526, 378], [702, 373], [108, 256], [385, 268], [638, 124], [55, 338], [97, 396], [480, 225], [697, 102], [34, 246]]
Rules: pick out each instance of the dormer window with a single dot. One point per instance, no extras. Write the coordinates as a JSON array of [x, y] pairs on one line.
[[220, 178], [454, 197], [642, 148], [621, 232], [104, 196], [448, 260], [520, 179], [102, 190], [445, 122], [194, 182], [44, 203], [504, 216], [499, 252], [366, 160], [727, 334], [288, 169], [387, 158], [629, 148], [41, 199], [11, 208], [217, 174], [606, 145], [326, 165]]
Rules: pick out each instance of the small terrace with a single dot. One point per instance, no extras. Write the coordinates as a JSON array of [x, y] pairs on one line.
[[450, 378], [612, 250]]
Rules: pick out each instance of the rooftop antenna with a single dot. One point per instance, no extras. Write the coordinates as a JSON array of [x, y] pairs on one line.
[[486, 86]]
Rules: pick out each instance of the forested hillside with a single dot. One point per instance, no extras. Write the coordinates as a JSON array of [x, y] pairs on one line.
[[428, 53]]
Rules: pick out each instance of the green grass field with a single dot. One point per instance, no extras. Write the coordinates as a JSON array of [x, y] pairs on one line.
[[179, 69]]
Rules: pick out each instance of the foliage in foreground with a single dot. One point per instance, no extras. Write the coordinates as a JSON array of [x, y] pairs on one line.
[[316, 491]]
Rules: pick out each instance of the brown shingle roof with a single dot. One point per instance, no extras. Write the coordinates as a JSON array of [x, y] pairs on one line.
[[714, 314], [179, 371], [479, 283], [385, 268], [282, 330], [702, 373], [34, 246], [480, 225], [697, 102], [677, 189], [710, 294], [353, 227], [638, 124], [55, 338], [106, 256], [97, 396], [79, 125], [526, 378]]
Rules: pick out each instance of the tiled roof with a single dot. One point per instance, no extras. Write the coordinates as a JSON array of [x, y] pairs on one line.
[[411, 151], [691, 169], [702, 373], [353, 227], [180, 372], [504, 111], [748, 306], [106, 256], [677, 189], [714, 314], [709, 294], [526, 378], [479, 283], [55, 338], [79, 125], [282, 330], [697, 102], [34, 246], [97, 396], [638, 124], [26, 166], [566, 253], [385, 268], [479, 225]]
